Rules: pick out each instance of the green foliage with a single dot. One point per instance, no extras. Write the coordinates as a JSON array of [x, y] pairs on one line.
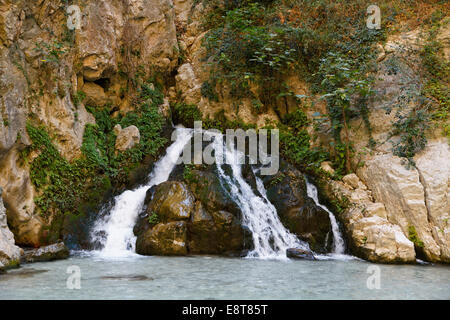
[[208, 91], [412, 233], [78, 97], [153, 218], [436, 87], [244, 48], [411, 129], [258, 42], [51, 52], [295, 143], [61, 184], [186, 114], [188, 175], [341, 80], [66, 187]]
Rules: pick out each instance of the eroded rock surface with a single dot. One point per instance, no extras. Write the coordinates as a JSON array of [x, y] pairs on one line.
[[9, 252]]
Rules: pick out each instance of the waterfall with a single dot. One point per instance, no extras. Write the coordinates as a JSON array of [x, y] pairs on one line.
[[338, 240], [270, 237], [115, 230]]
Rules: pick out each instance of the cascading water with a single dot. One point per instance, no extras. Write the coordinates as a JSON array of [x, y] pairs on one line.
[[115, 231], [270, 237], [338, 240]]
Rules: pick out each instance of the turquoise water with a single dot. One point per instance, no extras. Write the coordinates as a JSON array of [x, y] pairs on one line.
[[205, 277]]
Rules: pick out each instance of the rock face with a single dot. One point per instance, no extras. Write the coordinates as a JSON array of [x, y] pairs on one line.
[[287, 192], [415, 198], [185, 219], [127, 138], [9, 252], [395, 203], [371, 236], [52, 252], [44, 68]]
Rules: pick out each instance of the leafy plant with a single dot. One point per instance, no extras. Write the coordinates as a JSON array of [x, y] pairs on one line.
[[412, 233], [153, 218]]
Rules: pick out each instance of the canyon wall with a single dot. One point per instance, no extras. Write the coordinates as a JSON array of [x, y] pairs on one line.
[[395, 213]]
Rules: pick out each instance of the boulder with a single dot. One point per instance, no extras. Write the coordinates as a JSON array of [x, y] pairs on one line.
[[127, 138], [299, 254], [95, 94], [217, 233], [164, 239], [170, 201], [287, 192], [200, 220], [52, 252]]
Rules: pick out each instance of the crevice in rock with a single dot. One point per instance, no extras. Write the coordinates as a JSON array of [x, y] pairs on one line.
[[103, 82], [427, 206], [425, 194]]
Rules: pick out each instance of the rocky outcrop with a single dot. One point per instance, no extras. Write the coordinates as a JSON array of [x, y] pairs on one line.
[[416, 199], [299, 254], [370, 235], [9, 252], [185, 219], [52, 252], [127, 138], [399, 211], [287, 192]]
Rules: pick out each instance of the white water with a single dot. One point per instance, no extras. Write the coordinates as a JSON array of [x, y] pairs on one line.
[[338, 240], [270, 237], [115, 230]]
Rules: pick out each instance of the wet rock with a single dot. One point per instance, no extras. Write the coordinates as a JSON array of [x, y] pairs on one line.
[[287, 192], [206, 187], [22, 273], [300, 254], [216, 233], [171, 201], [52, 252], [167, 239], [195, 215], [127, 277]]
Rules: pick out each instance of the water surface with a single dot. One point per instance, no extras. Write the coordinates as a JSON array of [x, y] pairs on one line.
[[205, 277]]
